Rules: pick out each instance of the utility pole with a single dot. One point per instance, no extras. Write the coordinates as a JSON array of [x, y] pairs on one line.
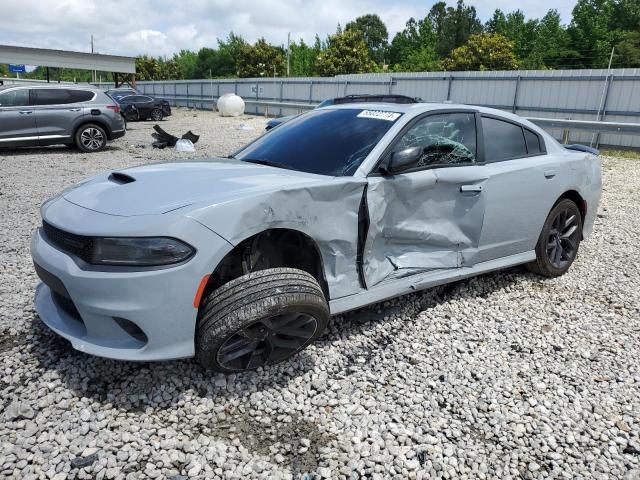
[[92, 51], [595, 138], [288, 53]]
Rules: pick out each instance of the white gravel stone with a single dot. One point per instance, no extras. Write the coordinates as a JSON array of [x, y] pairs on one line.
[[502, 376]]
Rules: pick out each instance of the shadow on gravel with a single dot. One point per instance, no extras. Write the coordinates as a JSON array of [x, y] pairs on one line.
[[136, 386], [53, 149], [168, 388]]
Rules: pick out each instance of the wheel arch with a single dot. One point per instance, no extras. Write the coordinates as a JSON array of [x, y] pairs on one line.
[[270, 248], [93, 120], [576, 198]]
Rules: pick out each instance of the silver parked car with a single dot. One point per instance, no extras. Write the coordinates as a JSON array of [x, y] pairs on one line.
[[83, 116], [240, 261]]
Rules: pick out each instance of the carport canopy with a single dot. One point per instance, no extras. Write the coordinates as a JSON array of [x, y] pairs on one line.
[[60, 58]]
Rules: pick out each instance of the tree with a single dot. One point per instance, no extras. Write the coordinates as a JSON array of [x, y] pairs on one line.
[[150, 68], [591, 33], [187, 63], [375, 35], [346, 52], [628, 50], [487, 51], [223, 61], [516, 28], [413, 49], [626, 15], [453, 26], [551, 46], [303, 58], [261, 60]]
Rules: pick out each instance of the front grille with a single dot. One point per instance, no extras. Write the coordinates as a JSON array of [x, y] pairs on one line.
[[77, 245]]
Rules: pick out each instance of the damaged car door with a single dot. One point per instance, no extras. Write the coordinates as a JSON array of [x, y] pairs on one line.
[[425, 200]]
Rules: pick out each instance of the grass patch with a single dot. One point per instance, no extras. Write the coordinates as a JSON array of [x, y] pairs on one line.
[[630, 154]]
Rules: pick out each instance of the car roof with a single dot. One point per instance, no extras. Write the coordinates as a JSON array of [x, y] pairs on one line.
[[50, 85], [423, 107]]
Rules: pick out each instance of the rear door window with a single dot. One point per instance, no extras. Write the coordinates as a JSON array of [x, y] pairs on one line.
[[502, 140], [51, 96], [15, 98], [533, 142]]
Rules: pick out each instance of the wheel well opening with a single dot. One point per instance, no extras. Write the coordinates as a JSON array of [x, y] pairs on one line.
[[577, 199], [272, 248]]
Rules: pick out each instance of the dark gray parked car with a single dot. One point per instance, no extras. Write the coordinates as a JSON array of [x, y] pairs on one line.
[[34, 115]]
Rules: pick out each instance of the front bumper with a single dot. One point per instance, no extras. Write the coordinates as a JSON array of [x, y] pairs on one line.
[[102, 306]]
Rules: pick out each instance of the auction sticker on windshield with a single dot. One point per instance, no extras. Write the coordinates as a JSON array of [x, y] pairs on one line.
[[379, 115]]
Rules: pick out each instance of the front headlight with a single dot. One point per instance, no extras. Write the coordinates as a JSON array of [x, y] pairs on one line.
[[140, 252]]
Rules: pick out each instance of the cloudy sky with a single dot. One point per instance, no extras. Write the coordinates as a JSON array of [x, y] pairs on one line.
[[162, 27]]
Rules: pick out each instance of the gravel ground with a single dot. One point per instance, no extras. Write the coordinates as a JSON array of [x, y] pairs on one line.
[[502, 376]]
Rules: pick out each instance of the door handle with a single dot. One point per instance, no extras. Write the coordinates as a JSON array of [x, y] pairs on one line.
[[549, 173], [74, 109], [22, 112], [471, 188]]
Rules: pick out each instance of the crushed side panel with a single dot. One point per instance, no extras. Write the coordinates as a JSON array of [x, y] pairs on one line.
[[421, 221], [326, 211]]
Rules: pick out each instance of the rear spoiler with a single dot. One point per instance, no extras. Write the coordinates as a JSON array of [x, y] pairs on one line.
[[582, 148]]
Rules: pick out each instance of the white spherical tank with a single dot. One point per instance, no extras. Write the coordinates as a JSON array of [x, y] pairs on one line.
[[230, 105]]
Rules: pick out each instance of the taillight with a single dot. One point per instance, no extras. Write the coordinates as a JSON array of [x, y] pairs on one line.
[[115, 108]]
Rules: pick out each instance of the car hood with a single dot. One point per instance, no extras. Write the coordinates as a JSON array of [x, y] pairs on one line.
[[161, 188]]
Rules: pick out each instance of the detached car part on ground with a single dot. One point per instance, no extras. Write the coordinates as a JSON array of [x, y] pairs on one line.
[[78, 116], [144, 107], [362, 98], [241, 261]]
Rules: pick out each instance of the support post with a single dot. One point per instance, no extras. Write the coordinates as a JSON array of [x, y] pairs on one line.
[[604, 108], [449, 87], [515, 95], [47, 74]]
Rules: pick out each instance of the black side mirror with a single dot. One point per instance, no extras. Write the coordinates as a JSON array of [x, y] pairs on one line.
[[403, 160]]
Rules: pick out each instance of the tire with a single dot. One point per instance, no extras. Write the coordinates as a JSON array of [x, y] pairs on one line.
[[558, 245], [91, 138], [156, 115], [270, 315]]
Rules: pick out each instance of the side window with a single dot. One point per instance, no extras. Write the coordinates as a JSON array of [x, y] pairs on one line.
[[79, 96], [533, 142], [51, 96], [445, 139], [15, 98], [502, 140]]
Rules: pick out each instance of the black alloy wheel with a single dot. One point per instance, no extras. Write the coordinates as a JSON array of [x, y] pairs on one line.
[[267, 341], [559, 240]]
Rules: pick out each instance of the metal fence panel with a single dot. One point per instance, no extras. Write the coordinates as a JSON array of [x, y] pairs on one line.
[[563, 94]]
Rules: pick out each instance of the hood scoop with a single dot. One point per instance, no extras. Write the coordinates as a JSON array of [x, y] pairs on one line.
[[121, 178]]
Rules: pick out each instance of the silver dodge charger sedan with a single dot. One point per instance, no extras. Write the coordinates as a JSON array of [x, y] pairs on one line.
[[241, 261]]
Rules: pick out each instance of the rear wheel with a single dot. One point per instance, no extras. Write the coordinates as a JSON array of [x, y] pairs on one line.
[[559, 241], [156, 115], [260, 319], [91, 138]]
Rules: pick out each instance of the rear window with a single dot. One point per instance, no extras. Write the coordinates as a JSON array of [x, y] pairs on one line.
[[78, 96], [502, 140], [326, 142]]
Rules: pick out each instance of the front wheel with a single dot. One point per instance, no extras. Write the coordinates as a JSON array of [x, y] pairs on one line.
[[260, 319], [559, 240], [91, 138]]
